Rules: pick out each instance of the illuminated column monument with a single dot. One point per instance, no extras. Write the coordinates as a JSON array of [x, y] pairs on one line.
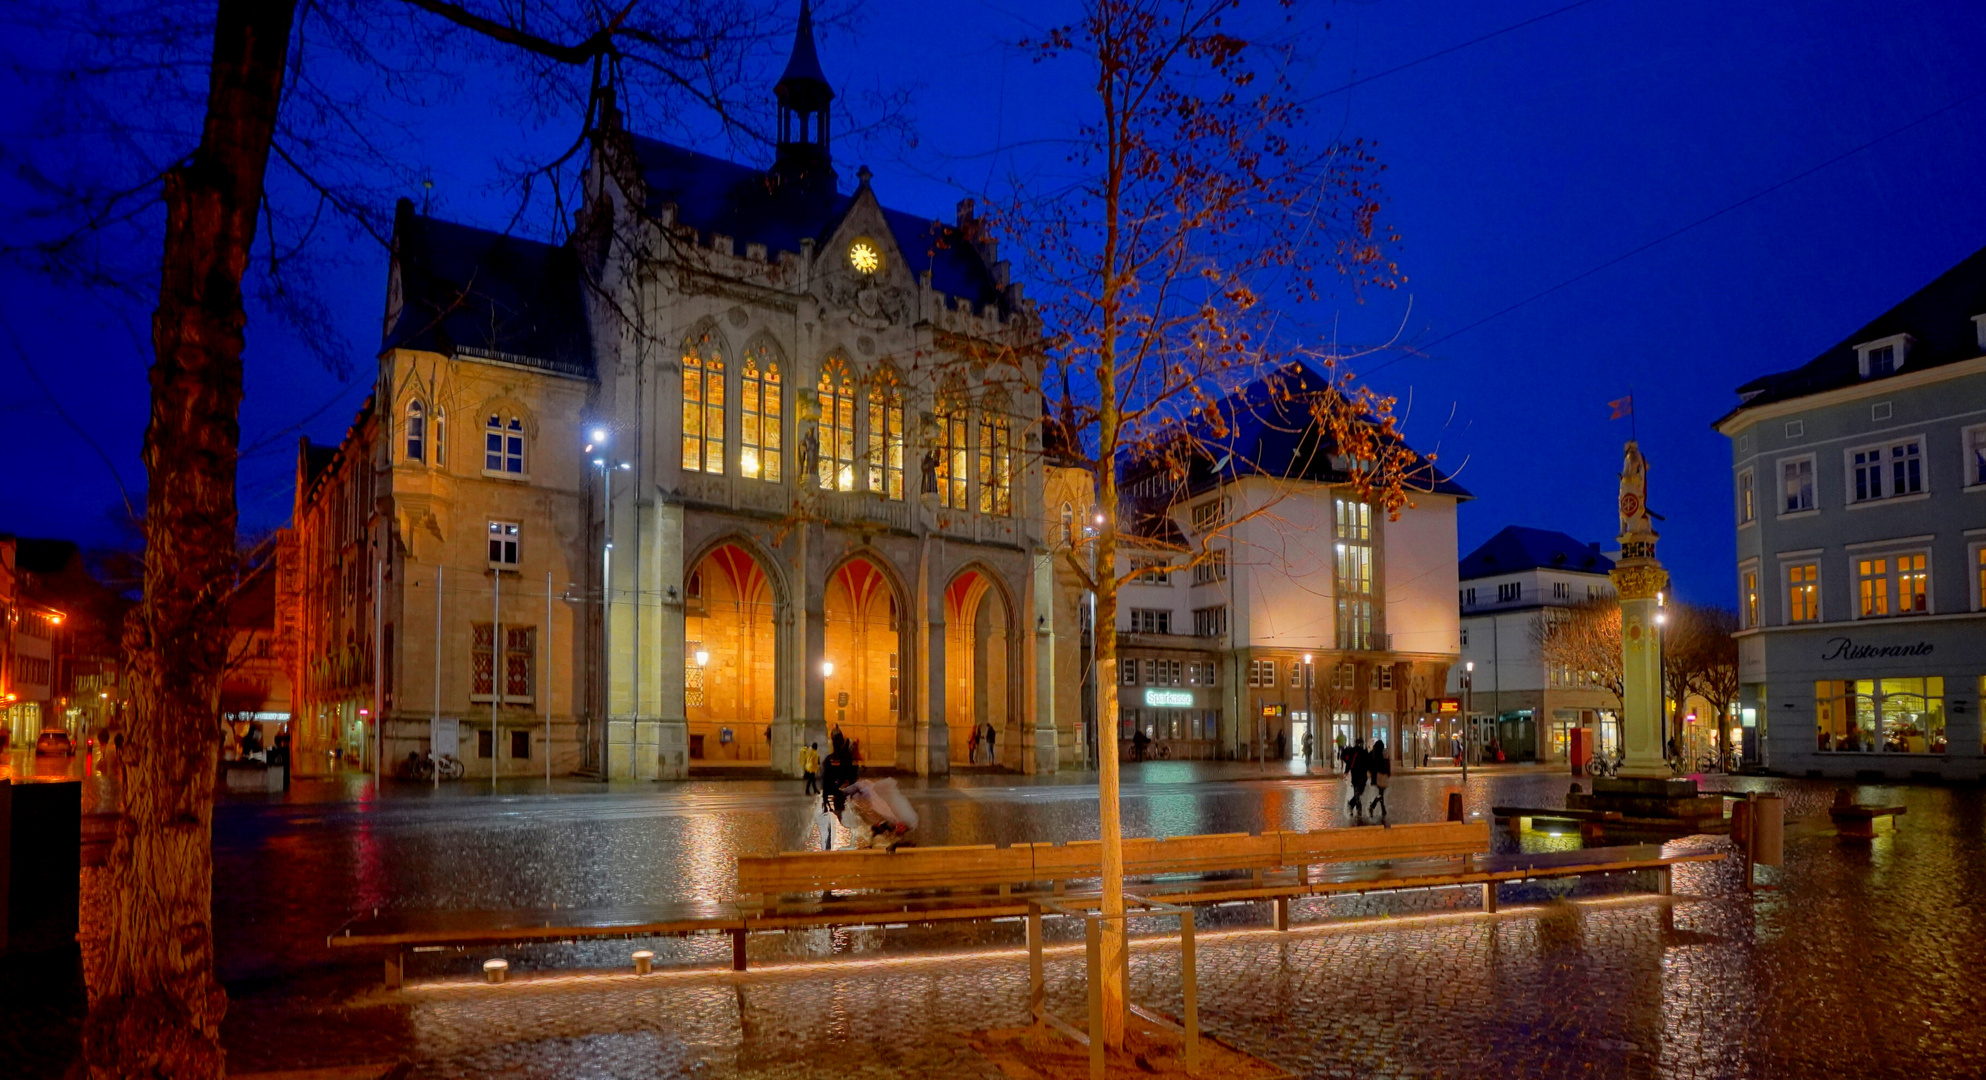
[[1639, 579]]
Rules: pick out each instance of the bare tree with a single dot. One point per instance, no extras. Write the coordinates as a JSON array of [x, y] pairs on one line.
[[1584, 640], [1709, 662], [278, 85], [1195, 213]]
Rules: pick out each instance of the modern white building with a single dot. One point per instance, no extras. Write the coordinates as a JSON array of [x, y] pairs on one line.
[[1506, 588], [1860, 507], [1316, 615]]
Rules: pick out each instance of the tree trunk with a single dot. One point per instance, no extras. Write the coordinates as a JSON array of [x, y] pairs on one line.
[[155, 1005]]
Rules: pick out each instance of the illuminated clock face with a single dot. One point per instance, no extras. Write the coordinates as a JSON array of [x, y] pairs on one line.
[[863, 257]]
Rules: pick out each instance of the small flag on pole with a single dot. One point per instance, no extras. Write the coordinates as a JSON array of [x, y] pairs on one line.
[[1622, 407]]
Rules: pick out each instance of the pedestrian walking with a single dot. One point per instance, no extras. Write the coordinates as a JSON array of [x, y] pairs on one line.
[[1307, 744], [991, 757], [1357, 766], [1282, 745], [810, 767], [972, 747], [1382, 774]]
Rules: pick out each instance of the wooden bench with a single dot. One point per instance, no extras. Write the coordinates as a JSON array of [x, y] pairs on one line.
[[815, 889], [1856, 820]]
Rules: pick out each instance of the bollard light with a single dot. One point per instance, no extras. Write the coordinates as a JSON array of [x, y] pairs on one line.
[[644, 962], [496, 970]]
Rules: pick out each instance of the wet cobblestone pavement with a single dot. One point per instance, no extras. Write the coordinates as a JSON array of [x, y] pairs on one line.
[[1867, 961]]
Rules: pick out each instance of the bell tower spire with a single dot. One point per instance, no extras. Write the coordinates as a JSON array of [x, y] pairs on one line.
[[804, 96]]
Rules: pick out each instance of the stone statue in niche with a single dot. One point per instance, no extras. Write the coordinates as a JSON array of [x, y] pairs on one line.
[[930, 470], [810, 451]]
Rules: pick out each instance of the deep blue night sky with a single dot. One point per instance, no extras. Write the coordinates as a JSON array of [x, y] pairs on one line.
[[1514, 164]]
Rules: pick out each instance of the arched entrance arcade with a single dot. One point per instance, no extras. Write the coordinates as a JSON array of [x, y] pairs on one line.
[[982, 665], [730, 657], [862, 663]]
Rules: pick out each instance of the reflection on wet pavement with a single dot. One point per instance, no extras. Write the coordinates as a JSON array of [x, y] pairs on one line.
[[1865, 961]]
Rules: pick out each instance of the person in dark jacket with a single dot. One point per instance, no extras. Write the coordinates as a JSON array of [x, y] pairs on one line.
[[1358, 767], [1382, 775]]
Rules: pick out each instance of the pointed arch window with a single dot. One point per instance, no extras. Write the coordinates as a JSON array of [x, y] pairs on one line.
[[837, 393], [886, 435], [503, 445], [439, 428], [760, 416], [417, 431], [703, 406], [996, 460], [953, 449]]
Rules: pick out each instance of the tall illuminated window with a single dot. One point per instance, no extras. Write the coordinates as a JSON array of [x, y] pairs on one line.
[[837, 431], [1803, 593], [1913, 585], [1872, 586], [703, 406], [1750, 591], [1352, 531], [759, 416], [886, 434], [952, 447], [996, 463]]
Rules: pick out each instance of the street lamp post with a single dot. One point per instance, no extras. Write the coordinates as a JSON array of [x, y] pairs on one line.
[[607, 469], [1468, 715], [1309, 709]]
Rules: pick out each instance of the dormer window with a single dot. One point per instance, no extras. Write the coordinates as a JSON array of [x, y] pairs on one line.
[[1884, 356]]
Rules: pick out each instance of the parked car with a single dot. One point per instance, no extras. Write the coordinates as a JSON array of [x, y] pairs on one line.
[[54, 742]]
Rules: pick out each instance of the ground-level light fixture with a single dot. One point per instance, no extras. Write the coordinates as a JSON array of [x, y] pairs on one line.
[[496, 970], [827, 669], [703, 657], [644, 962]]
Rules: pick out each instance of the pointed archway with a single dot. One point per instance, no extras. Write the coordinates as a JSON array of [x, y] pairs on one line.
[[730, 660], [863, 659], [980, 670]]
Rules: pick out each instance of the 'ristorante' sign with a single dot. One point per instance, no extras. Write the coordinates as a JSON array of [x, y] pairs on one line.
[[1842, 648]]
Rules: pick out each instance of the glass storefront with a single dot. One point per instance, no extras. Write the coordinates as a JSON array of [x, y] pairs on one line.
[[1899, 716]]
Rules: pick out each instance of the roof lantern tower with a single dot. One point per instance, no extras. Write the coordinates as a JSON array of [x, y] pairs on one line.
[[804, 96]]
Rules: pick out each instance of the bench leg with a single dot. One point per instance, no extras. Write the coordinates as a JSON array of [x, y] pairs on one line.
[[737, 950], [1489, 897], [395, 970], [1282, 912], [1664, 882]]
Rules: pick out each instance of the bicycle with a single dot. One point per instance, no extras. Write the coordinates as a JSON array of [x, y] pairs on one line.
[[1602, 765], [450, 768]]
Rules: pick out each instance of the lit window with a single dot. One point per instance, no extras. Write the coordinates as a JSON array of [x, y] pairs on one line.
[[1872, 583], [837, 427], [503, 543], [952, 448], [1979, 573], [1352, 524], [996, 463], [1913, 583], [759, 416], [417, 431], [1751, 598], [703, 406], [1803, 593], [1870, 716], [886, 435]]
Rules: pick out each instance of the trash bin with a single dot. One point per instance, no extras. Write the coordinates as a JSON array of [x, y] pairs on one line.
[[1768, 827]]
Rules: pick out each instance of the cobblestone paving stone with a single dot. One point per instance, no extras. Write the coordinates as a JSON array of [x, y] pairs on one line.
[[1867, 961]]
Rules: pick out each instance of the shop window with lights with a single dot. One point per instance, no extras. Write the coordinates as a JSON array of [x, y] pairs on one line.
[[1899, 716]]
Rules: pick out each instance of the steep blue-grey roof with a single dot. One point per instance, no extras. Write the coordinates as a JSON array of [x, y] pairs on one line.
[[1265, 428], [712, 195], [483, 293], [805, 63], [1518, 548], [1938, 316]]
